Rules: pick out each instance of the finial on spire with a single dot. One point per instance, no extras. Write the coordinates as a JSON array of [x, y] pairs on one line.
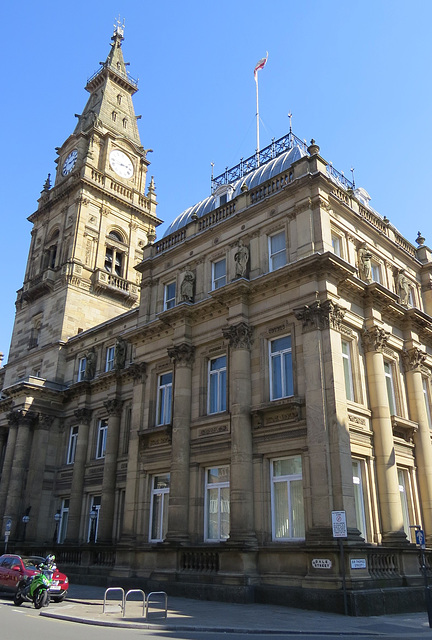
[[290, 119], [352, 173], [47, 184], [119, 27]]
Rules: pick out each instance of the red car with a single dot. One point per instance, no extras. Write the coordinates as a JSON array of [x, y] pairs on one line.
[[13, 568]]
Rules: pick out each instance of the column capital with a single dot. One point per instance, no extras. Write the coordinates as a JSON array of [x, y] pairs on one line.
[[83, 415], [45, 420], [113, 406], [20, 416], [374, 339], [320, 315], [413, 359], [239, 335], [138, 371], [182, 354]]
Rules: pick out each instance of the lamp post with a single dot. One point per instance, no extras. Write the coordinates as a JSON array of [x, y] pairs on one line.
[[25, 520], [57, 519], [93, 516]]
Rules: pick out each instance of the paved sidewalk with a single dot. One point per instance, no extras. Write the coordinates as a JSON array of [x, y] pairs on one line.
[[84, 604]]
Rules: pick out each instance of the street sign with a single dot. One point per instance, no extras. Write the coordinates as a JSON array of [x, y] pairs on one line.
[[8, 526], [339, 524], [420, 538]]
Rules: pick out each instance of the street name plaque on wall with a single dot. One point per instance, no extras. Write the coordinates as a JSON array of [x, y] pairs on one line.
[[321, 563], [358, 563]]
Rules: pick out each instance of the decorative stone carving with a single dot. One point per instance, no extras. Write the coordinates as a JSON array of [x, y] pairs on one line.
[[374, 339], [20, 416], [120, 354], [364, 262], [45, 420], [90, 364], [320, 315], [83, 415], [402, 288], [138, 371], [113, 406], [187, 287], [241, 258], [182, 354], [413, 359], [239, 335]]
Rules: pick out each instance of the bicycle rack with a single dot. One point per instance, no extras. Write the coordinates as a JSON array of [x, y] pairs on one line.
[[143, 604], [119, 604], [156, 593]]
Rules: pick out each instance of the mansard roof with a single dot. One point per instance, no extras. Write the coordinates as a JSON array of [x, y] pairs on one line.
[[231, 182]]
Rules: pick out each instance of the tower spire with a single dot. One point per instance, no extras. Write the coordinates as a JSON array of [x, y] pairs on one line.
[[111, 89]]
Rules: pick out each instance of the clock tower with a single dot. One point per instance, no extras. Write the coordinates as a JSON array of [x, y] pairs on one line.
[[89, 229]]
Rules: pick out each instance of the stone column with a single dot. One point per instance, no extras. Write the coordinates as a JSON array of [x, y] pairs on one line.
[[129, 529], [76, 499], [37, 526], [3, 442], [106, 516], [328, 438], [15, 495], [178, 508], [413, 360], [242, 530], [374, 340], [7, 463]]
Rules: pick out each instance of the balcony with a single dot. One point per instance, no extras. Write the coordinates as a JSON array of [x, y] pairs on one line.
[[39, 286], [111, 284]]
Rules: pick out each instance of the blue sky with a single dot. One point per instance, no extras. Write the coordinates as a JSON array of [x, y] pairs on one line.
[[355, 75]]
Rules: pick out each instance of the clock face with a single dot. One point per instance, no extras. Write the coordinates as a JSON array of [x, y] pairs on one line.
[[121, 164], [69, 163]]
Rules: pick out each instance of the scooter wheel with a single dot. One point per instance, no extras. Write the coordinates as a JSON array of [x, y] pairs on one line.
[[18, 600], [40, 599]]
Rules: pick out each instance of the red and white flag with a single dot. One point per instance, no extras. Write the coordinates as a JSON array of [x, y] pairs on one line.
[[260, 65]]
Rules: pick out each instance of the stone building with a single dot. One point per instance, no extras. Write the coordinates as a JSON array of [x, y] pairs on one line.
[[190, 413]]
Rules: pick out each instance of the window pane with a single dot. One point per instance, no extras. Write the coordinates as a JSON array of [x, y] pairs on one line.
[[281, 510], [280, 344], [213, 513], [297, 509], [288, 391], [276, 377], [225, 513], [156, 533], [287, 467]]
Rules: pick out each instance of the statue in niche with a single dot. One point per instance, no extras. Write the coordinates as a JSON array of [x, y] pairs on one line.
[[120, 354], [403, 288], [241, 258], [90, 364], [187, 287], [365, 265]]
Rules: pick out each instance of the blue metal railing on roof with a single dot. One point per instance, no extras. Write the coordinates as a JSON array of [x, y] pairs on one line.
[[275, 149], [120, 74], [339, 177]]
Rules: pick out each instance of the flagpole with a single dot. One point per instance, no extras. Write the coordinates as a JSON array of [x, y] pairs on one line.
[[257, 120]]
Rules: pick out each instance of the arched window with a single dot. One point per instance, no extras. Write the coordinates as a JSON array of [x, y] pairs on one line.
[[119, 99], [114, 116], [124, 123], [114, 257]]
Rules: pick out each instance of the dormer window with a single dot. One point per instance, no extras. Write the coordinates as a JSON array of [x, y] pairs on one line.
[[223, 194]]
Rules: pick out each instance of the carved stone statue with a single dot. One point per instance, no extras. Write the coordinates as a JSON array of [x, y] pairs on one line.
[[241, 258], [403, 288], [187, 287], [120, 354], [365, 266], [90, 369]]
